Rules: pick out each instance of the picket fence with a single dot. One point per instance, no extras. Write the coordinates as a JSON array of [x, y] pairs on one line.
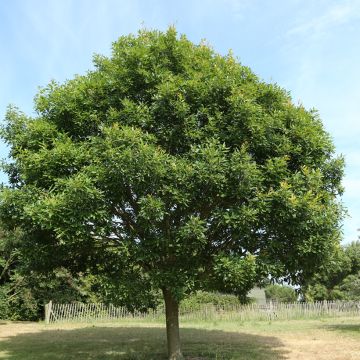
[[80, 312]]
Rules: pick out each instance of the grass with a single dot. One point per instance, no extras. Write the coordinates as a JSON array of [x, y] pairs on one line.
[[350, 329], [140, 340]]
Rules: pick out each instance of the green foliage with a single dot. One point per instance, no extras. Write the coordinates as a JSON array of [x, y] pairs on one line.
[[350, 287], [200, 298], [338, 278], [23, 291], [235, 275], [170, 166], [131, 291], [352, 251], [23, 297], [280, 293]]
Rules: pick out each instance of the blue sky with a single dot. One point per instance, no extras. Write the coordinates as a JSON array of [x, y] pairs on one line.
[[311, 48]]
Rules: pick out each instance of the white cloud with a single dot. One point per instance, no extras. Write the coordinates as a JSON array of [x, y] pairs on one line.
[[337, 14], [325, 74]]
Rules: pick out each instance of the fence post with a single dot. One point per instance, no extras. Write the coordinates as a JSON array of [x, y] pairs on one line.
[[48, 309]]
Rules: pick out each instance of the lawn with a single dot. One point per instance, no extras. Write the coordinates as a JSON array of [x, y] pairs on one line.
[[330, 339]]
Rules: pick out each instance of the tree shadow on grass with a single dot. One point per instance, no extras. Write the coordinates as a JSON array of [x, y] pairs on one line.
[[138, 343], [345, 328]]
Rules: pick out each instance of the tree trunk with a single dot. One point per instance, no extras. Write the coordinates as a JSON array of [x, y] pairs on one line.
[[172, 326]]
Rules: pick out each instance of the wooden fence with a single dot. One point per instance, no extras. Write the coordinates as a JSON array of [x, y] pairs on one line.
[[79, 312]]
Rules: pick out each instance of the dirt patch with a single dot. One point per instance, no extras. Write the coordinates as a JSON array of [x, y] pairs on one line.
[[18, 327], [321, 345]]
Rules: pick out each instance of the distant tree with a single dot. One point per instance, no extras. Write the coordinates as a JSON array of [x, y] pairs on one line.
[[352, 251], [338, 278], [200, 298], [172, 167], [23, 291], [8, 260], [350, 287], [280, 293]]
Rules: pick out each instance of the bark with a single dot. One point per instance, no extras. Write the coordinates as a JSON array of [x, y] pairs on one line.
[[172, 326]]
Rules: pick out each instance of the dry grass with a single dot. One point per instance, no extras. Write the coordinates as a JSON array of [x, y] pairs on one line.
[[329, 339]]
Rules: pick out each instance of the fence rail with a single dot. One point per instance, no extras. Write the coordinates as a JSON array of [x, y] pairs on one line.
[[80, 312]]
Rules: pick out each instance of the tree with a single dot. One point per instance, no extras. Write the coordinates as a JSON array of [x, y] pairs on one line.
[[352, 252], [23, 292], [337, 278], [280, 293], [350, 287], [171, 167]]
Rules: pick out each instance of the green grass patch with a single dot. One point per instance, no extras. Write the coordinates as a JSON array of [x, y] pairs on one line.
[[147, 341], [136, 343]]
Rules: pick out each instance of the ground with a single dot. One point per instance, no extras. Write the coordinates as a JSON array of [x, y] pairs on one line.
[[326, 339]]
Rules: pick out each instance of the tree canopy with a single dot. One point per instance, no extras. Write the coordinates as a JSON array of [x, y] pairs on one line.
[[280, 293], [23, 291], [338, 278], [170, 166]]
